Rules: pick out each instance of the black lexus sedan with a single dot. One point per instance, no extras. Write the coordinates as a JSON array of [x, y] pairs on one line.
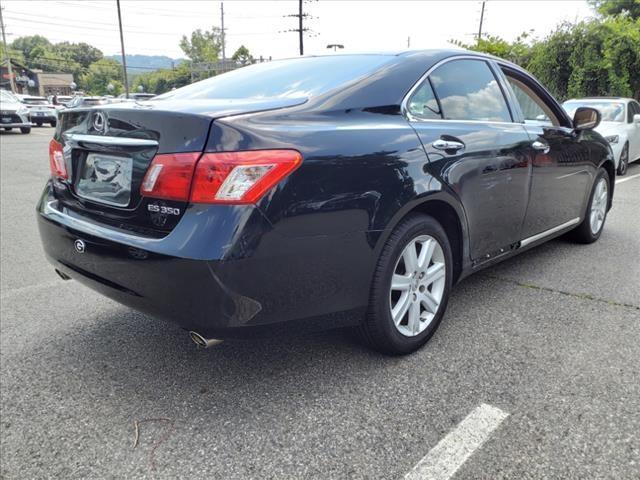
[[320, 192]]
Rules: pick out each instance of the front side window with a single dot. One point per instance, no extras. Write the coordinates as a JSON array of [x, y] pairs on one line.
[[468, 90], [534, 109]]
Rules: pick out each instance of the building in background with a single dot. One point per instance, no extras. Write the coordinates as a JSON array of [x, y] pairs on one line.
[[35, 82]]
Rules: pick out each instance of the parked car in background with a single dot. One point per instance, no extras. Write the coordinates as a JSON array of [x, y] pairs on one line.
[[79, 101], [316, 192], [41, 111], [620, 126], [62, 100], [13, 113], [137, 96]]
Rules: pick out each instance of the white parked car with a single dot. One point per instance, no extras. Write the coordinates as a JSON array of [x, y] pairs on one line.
[[40, 110], [620, 126], [13, 114]]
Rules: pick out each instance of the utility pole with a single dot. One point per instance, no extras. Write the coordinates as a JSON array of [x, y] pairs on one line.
[[300, 29], [124, 59], [408, 42], [481, 20], [6, 55], [224, 55]]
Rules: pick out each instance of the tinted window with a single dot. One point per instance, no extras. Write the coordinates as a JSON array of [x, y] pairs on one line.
[[423, 102], [636, 108], [295, 78], [533, 108], [468, 90]]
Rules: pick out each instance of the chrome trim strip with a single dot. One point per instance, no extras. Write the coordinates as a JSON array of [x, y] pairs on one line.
[[551, 231], [51, 213], [111, 141]]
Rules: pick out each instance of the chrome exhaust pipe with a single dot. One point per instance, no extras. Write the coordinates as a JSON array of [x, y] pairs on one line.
[[202, 342]]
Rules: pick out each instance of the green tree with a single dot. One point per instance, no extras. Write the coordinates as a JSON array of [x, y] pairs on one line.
[[164, 79], [99, 75], [616, 7], [242, 56], [82, 53], [202, 46]]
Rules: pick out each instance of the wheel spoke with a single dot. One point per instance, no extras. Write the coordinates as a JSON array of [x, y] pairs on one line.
[[426, 253], [414, 317], [401, 307], [400, 282], [430, 303], [410, 258], [434, 272]]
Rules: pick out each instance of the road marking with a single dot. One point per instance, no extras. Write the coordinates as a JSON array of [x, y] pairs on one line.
[[442, 462], [625, 179]]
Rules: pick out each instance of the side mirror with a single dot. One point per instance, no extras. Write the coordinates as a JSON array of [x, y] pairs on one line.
[[636, 118], [586, 118]]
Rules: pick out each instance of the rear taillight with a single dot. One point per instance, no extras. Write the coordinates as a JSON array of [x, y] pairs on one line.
[[56, 160], [241, 177], [169, 176], [230, 177]]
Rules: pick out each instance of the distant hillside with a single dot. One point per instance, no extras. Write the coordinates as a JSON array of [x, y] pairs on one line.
[[146, 63]]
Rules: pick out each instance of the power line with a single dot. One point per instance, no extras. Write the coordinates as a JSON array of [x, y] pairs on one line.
[[301, 16]]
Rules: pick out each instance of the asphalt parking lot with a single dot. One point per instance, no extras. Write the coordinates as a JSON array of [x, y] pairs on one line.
[[550, 338]]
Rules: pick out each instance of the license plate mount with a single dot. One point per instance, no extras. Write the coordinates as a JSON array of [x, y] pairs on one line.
[[105, 179]]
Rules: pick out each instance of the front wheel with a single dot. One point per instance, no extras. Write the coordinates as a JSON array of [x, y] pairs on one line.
[[38, 124], [591, 227], [53, 123], [624, 160], [25, 130], [8, 129], [410, 288]]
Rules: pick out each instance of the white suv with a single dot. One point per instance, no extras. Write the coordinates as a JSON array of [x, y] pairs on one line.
[[620, 126]]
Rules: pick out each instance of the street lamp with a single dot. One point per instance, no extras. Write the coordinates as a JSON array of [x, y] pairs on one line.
[[335, 46]]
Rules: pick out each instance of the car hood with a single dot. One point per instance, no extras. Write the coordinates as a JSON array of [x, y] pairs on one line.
[[610, 128]]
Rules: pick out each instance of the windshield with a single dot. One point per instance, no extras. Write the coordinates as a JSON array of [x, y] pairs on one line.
[[294, 78], [610, 111], [35, 101]]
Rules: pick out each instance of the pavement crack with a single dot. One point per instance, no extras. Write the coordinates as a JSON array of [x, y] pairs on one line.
[[582, 296]]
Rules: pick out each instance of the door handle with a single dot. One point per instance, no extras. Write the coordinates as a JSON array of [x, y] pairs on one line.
[[447, 145], [541, 146]]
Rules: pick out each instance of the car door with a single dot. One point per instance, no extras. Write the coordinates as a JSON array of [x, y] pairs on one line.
[[634, 130], [460, 113], [561, 168]]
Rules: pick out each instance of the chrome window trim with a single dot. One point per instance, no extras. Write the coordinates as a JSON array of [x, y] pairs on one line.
[[111, 141], [405, 109]]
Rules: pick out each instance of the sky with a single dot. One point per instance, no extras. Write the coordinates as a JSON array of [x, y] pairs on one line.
[[154, 27]]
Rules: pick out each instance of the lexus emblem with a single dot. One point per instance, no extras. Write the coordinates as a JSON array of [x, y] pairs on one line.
[[99, 122], [79, 245]]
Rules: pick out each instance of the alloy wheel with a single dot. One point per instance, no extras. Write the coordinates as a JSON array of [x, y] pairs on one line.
[[598, 206], [417, 285]]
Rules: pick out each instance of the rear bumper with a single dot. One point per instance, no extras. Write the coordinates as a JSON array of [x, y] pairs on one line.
[[15, 125], [223, 271]]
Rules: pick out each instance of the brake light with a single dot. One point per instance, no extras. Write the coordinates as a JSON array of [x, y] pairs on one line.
[[169, 176], [241, 177], [56, 160], [230, 177]]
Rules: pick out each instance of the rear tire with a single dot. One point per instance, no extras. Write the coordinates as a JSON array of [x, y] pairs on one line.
[[53, 124], [38, 124], [418, 297], [8, 129], [596, 213], [624, 160], [25, 130]]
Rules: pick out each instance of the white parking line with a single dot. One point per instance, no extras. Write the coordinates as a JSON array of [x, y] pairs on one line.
[[626, 179], [453, 450]]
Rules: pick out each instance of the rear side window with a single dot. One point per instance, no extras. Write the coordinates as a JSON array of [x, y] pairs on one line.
[[468, 90], [423, 102], [633, 108]]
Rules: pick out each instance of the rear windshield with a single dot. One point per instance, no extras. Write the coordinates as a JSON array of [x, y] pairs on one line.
[[295, 78], [610, 111]]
